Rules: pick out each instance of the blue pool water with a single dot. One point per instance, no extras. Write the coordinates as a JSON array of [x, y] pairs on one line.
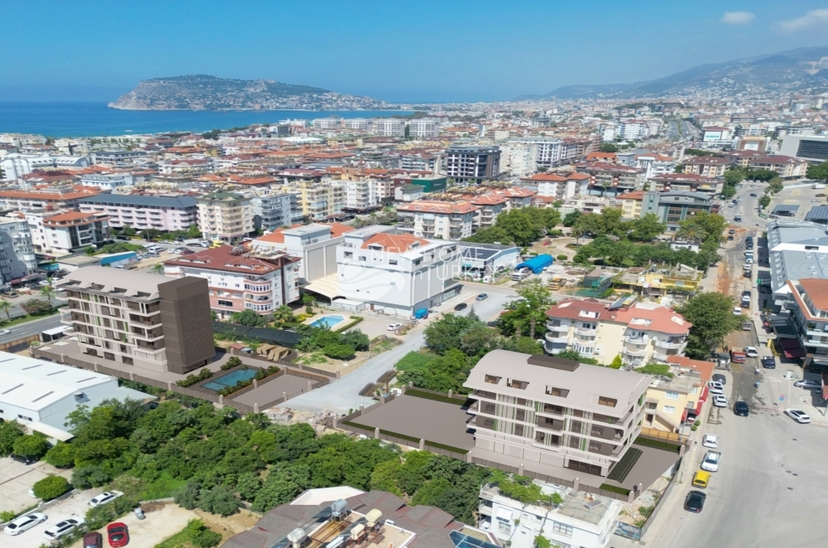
[[327, 321], [231, 379]]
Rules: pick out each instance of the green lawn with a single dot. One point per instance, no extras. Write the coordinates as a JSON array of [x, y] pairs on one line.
[[181, 538]]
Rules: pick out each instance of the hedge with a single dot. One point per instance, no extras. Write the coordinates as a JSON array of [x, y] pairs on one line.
[[191, 379], [614, 489], [261, 374], [435, 397], [349, 325], [658, 444]]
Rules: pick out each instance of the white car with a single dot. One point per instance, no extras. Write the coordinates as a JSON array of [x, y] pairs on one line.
[[720, 400], [393, 326], [5, 331], [799, 416], [737, 311], [711, 461], [62, 528], [748, 260], [751, 352], [24, 523], [103, 498], [715, 387], [808, 385], [710, 440]]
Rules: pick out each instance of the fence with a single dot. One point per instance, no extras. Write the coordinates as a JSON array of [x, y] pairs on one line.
[[662, 435], [19, 345]]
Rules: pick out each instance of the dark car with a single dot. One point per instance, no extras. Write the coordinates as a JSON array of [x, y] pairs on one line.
[[694, 501], [124, 238], [24, 460], [461, 306], [753, 195], [117, 534], [718, 377], [741, 408], [768, 362], [731, 231], [92, 540]]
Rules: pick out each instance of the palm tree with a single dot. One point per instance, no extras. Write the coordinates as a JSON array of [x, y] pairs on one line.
[[5, 306], [283, 314], [157, 268], [691, 231], [48, 292]]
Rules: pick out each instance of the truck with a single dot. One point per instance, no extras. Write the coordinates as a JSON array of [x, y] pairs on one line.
[[556, 283], [818, 186], [520, 275]]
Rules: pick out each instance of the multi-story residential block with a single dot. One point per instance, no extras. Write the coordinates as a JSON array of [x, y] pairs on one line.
[[25, 200], [518, 158], [239, 281], [118, 158], [631, 204], [17, 257], [144, 211], [654, 165], [185, 167], [363, 195], [322, 201], [314, 246], [107, 181], [225, 216], [424, 128], [271, 210], [490, 206], [357, 124], [550, 414], [67, 232], [612, 179], [417, 162], [326, 123], [786, 166], [470, 164], [395, 273], [429, 219], [671, 402], [388, 127], [16, 165], [140, 319], [687, 182], [639, 334], [709, 166], [796, 249], [808, 307], [559, 186], [673, 207], [633, 129]]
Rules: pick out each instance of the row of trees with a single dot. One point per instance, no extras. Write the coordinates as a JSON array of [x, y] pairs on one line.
[[819, 172], [609, 223], [220, 459], [737, 174], [519, 226]]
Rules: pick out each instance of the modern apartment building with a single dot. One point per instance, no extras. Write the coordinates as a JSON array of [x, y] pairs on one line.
[[559, 186], [424, 128], [17, 257], [322, 201], [225, 216], [363, 195], [16, 165], [491, 205], [388, 127], [239, 281], [107, 181], [672, 402], [808, 306], [67, 232], [143, 212], [25, 200], [709, 166], [396, 273], [140, 319], [550, 414], [687, 182], [271, 210], [446, 220], [612, 179], [639, 334], [472, 164], [796, 249], [631, 204], [673, 207]]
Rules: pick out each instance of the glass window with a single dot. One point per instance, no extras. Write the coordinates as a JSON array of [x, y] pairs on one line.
[[562, 528], [669, 409], [671, 395]]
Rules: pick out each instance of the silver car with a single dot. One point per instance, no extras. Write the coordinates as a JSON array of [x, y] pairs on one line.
[[62, 528], [808, 385], [24, 523]]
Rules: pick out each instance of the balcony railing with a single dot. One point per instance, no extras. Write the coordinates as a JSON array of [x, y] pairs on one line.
[[667, 344], [553, 338]]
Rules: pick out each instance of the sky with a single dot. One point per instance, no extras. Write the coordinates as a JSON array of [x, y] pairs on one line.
[[395, 50]]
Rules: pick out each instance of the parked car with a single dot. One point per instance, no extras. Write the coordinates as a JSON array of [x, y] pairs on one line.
[[746, 274], [753, 195], [24, 460], [737, 311], [24, 523], [768, 362], [482, 297], [719, 378], [808, 385], [694, 501], [710, 462], [710, 440], [799, 416], [103, 498], [732, 231], [393, 326], [117, 534], [124, 238], [747, 326], [93, 540], [740, 408], [715, 387], [460, 306], [62, 528], [720, 400], [751, 352], [738, 357]]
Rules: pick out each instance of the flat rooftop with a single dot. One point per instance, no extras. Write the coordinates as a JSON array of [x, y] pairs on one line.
[[113, 279]]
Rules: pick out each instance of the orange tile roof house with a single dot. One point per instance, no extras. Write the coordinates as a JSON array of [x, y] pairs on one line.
[[431, 219]]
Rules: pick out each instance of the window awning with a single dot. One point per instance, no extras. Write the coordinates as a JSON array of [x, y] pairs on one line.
[[703, 397], [504, 514], [791, 348]]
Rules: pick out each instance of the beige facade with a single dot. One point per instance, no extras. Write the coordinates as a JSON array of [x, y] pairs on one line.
[[322, 201], [225, 216]]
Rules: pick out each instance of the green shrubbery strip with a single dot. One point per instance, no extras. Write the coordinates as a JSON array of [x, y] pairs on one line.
[[435, 397], [614, 489], [658, 444]]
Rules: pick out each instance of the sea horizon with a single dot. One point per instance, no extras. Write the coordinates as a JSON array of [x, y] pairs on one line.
[[97, 119]]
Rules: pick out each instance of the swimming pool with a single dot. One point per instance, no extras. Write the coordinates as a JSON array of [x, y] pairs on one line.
[[230, 379], [327, 322]]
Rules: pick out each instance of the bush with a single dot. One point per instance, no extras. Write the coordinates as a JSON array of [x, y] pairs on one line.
[[37, 307], [614, 489], [100, 516], [9, 432], [191, 379], [562, 257], [50, 487], [339, 351], [89, 477], [7, 515], [31, 445], [61, 455], [201, 536], [234, 361]]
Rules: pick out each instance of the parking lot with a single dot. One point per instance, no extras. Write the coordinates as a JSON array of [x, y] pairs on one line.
[[16, 479]]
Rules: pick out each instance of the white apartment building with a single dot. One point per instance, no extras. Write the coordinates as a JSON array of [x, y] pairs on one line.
[[519, 158], [16, 165], [322, 201], [362, 195], [143, 212], [66, 232], [25, 200], [326, 123], [225, 216], [553, 416], [548, 151], [388, 127], [581, 520], [17, 257], [107, 181], [654, 165], [357, 124], [271, 210], [559, 186], [394, 273], [423, 128], [445, 220]]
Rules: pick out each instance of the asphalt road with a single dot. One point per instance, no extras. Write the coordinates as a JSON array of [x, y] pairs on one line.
[[343, 394], [31, 328]]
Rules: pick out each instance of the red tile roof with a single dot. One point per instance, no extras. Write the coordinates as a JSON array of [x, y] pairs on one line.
[[817, 291], [660, 319], [704, 368], [438, 207], [222, 259]]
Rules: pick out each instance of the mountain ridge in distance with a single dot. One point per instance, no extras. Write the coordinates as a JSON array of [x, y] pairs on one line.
[[205, 92], [792, 69]]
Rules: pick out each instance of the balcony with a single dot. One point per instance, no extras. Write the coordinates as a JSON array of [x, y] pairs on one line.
[[144, 321], [553, 338], [554, 348], [637, 352], [557, 326], [590, 332], [483, 394], [485, 423], [550, 424], [636, 339], [668, 344], [553, 410]]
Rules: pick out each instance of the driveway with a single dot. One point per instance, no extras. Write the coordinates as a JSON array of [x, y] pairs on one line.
[[72, 507], [16, 479]]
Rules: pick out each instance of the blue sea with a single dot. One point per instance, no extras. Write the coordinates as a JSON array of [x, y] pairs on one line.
[[93, 119]]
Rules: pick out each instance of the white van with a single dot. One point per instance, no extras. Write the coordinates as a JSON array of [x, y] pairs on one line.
[[156, 248]]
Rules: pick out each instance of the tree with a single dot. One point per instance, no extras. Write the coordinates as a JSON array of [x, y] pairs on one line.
[[218, 500], [157, 268], [356, 339], [9, 432], [201, 536], [50, 487], [61, 455], [528, 313], [616, 362], [283, 314], [712, 317], [37, 307], [647, 228], [127, 230], [31, 445], [5, 307], [660, 369], [193, 232], [572, 218], [733, 177], [818, 172], [764, 201], [247, 317], [608, 147]]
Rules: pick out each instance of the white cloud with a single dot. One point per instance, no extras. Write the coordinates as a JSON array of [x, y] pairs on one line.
[[810, 19], [738, 17]]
